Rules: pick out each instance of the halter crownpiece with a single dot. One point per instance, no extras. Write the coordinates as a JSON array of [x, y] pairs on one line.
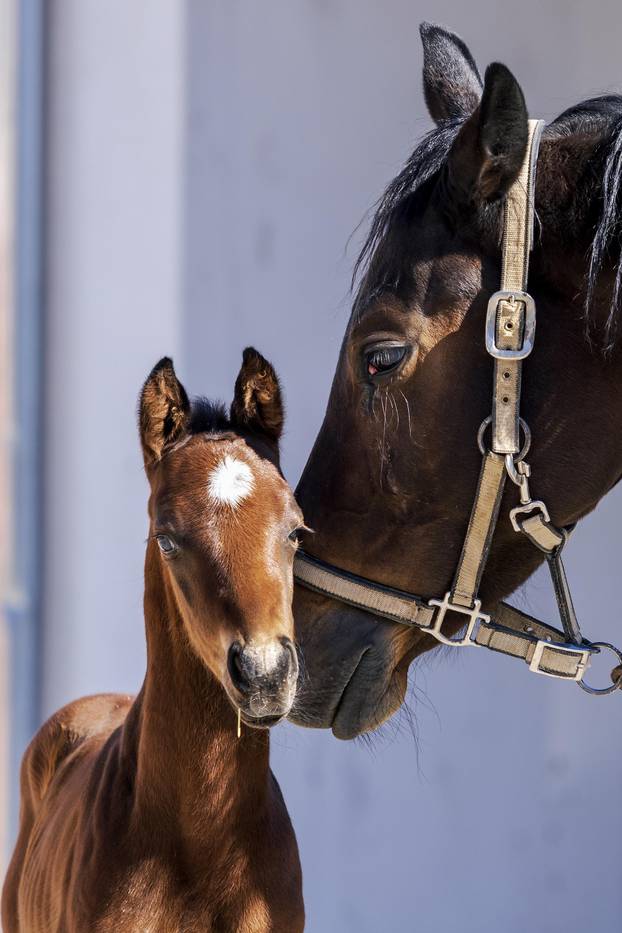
[[509, 335]]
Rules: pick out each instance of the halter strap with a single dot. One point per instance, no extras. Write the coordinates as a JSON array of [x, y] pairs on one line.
[[513, 632], [512, 312], [510, 332]]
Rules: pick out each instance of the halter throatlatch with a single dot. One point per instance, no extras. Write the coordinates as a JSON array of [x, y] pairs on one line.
[[510, 333]]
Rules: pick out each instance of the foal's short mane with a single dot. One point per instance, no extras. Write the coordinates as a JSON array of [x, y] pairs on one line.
[[601, 115], [208, 417]]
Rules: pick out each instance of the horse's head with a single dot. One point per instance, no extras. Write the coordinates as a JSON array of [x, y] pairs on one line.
[[390, 482], [223, 525]]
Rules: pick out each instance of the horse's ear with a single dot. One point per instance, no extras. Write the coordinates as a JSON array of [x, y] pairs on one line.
[[451, 82], [163, 411], [257, 403], [488, 152]]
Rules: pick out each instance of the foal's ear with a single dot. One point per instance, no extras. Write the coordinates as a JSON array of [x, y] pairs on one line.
[[488, 152], [164, 411], [451, 82], [257, 404]]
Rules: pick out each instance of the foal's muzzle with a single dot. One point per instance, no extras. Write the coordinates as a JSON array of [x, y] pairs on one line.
[[264, 675]]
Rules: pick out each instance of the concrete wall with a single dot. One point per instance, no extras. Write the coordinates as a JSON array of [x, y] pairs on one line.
[[207, 163], [114, 293], [7, 178]]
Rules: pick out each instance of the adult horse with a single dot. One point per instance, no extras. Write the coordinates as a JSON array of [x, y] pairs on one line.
[[390, 482]]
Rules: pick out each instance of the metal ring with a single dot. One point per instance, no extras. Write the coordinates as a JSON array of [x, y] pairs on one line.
[[480, 435], [516, 457], [617, 685], [526, 443]]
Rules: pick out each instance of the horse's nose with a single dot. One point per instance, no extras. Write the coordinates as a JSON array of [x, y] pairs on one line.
[[264, 669]]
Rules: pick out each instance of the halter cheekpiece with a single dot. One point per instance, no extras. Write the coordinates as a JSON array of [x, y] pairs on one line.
[[509, 336]]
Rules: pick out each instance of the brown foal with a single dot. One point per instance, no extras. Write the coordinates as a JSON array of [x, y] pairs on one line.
[[150, 814]]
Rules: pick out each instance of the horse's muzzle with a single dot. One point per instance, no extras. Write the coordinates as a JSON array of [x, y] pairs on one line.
[[350, 681]]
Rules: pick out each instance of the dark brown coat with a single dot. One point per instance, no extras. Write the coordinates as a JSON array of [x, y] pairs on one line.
[[389, 485]]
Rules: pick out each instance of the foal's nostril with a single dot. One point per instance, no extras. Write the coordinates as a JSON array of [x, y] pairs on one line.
[[236, 667], [292, 657]]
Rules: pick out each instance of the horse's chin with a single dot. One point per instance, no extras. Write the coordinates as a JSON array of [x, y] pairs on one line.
[[369, 699], [352, 673]]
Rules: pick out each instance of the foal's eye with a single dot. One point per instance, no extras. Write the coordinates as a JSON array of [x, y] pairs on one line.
[[380, 360], [166, 544], [294, 536]]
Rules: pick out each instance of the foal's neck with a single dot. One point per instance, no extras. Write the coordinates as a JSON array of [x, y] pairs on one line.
[[191, 768]]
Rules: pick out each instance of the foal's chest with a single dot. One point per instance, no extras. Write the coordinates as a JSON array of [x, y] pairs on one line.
[[150, 902]]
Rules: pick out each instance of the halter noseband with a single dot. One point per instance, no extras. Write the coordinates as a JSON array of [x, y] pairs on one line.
[[510, 331]]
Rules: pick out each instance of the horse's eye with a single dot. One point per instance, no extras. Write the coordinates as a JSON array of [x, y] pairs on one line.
[[384, 359], [166, 544]]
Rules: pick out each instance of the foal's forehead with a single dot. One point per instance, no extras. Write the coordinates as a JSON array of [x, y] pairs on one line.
[[224, 472]]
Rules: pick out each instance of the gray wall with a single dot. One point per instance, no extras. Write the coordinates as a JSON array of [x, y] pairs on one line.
[[207, 164]]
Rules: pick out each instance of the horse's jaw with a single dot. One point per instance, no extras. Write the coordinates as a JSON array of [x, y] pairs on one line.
[[353, 670]]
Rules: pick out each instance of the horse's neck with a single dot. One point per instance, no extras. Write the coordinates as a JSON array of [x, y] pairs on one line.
[[193, 774]]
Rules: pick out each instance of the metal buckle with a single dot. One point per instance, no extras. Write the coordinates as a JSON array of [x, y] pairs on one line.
[[444, 606], [542, 644], [529, 329], [537, 505]]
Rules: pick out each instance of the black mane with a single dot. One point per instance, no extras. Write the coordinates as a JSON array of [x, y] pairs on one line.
[[424, 164], [599, 115], [607, 242]]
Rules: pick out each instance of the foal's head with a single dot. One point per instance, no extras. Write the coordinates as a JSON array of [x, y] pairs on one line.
[[223, 525]]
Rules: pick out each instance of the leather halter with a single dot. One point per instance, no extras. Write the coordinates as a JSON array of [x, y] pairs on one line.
[[509, 335]]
